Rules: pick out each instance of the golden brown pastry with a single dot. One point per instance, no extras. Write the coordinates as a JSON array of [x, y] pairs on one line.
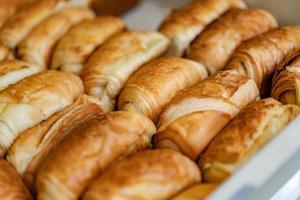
[[148, 175], [12, 71], [74, 48], [88, 150], [195, 115], [227, 91], [252, 128], [216, 44], [197, 192], [114, 62], [9, 7], [5, 52], [183, 25], [12, 187], [286, 85], [152, 87], [260, 56], [38, 44], [32, 100], [17, 27], [33, 145]]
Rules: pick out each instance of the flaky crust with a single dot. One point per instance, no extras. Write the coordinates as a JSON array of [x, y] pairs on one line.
[[38, 44], [253, 127], [153, 86], [11, 184], [9, 7], [260, 56], [87, 151], [12, 71], [33, 145], [74, 48], [286, 85], [183, 25], [32, 100], [191, 133], [152, 174], [227, 92], [196, 192], [114, 62], [216, 44], [17, 27]]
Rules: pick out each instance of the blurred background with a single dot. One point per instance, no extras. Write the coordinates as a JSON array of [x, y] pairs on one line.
[[148, 14]]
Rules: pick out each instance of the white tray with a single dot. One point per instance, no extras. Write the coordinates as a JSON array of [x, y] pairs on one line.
[[273, 173]]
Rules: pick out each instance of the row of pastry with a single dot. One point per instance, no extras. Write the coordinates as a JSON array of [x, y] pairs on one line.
[[63, 145], [81, 152], [73, 149]]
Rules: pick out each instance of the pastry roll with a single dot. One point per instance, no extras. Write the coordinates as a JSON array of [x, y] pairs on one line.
[[12, 187], [33, 145], [252, 128], [114, 62], [216, 44], [5, 52], [151, 88], [76, 46], [227, 91], [260, 56], [16, 29], [195, 115], [183, 25], [286, 85], [37, 46], [148, 175], [196, 192], [32, 100], [88, 150], [12, 71]]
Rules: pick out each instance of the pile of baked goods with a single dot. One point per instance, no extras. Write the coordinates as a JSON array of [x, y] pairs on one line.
[[92, 110]]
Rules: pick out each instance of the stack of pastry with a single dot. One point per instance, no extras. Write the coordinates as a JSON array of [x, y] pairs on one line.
[[92, 110]]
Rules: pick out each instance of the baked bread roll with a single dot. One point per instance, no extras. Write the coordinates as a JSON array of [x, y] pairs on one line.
[[114, 62], [5, 52], [12, 186], [216, 44], [152, 174], [32, 100], [38, 44], [88, 150], [286, 85], [183, 25], [260, 56], [227, 91], [252, 128], [195, 115], [17, 27], [152, 87], [12, 71], [33, 145], [74, 48], [196, 192]]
